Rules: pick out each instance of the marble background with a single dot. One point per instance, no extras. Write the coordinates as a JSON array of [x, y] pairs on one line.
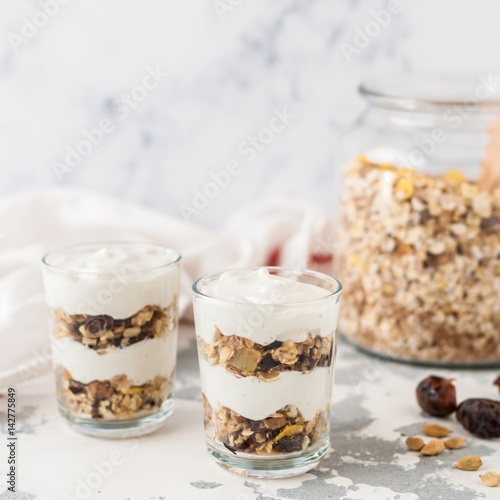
[[231, 64]]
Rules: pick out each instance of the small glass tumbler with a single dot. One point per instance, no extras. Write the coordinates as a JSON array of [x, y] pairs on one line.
[[266, 366], [113, 321]]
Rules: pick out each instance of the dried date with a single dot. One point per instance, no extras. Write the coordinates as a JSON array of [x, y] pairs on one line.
[[480, 417], [437, 396]]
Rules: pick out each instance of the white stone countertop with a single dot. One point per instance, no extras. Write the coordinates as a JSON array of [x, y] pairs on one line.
[[374, 407]]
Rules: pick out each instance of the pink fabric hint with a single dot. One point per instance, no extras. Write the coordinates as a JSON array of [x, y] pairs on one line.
[[273, 259]]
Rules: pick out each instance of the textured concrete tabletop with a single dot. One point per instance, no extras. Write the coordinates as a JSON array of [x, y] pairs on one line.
[[374, 407]]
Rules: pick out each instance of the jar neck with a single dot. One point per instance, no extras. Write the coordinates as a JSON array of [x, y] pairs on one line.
[[450, 117]]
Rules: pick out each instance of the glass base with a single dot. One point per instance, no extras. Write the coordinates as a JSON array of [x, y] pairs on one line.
[[420, 362], [269, 467], [119, 429]]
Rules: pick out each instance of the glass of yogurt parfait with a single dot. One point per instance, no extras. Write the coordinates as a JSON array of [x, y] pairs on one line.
[[113, 321], [267, 341]]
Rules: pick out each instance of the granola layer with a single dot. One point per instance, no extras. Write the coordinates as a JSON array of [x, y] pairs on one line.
[[245, 358], [102, 331], [284, 431], [117, 398], [421, 264]]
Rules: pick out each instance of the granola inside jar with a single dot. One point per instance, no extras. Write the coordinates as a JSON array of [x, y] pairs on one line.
[[420, 220]]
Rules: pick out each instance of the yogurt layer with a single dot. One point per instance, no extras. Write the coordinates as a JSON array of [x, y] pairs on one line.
[[259, 286], [140, 362], [264, 308], [255, 399], [118, 280]]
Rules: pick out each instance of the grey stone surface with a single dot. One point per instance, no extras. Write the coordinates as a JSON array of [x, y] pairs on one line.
[[205, 485]]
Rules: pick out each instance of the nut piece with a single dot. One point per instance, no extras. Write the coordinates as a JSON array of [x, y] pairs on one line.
[[143, 316], [433, 447], [276, 422], [455, 443], [131, 332], [415, 444], [225, 354], [490, 478], [287, 353], [435, 430], [470, 462]]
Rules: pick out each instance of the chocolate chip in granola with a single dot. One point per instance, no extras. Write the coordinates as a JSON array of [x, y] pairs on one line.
[[270, 434], [289, 444], [232, 449], [267, 363], [77, 388], [425, 215], [490, 225], [274, 345], [96, 324], [97, 390]]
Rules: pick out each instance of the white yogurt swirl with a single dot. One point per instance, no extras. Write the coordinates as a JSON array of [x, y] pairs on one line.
[[112, 257], [264, 307], [115, 279], [261, 287]]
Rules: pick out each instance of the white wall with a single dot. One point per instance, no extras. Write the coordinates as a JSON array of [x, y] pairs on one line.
[[225, 79]]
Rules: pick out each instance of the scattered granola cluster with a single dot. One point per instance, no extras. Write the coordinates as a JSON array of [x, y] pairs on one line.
[[421, 266], [111, 399], [285, 431], [102, 331], [245, 358]]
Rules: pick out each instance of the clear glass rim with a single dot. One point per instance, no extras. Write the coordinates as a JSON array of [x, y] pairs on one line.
[[315, 274], [383, 91], [176, 254]]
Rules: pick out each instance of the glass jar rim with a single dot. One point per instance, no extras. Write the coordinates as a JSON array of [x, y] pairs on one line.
[[433, 91], [315, 274], [176, 256]]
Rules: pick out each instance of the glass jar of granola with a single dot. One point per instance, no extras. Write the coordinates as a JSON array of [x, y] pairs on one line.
[[420, 220]]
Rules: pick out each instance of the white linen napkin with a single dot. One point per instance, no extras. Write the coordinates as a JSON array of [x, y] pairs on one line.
[[32, 223]]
